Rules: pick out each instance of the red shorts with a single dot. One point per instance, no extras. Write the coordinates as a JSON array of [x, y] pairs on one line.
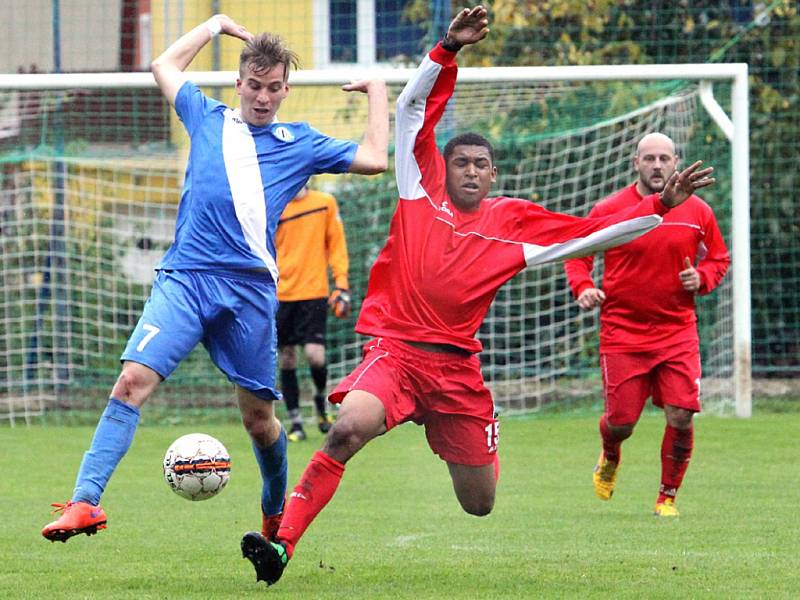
[[670, 375], [442, 391]]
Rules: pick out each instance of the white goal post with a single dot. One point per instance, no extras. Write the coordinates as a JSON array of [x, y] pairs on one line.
[[735, 129]]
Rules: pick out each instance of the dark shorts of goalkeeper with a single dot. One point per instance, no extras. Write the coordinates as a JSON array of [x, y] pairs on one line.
[[443, 392], [302, 322]]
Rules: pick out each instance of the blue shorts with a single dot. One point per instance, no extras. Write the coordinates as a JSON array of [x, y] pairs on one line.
[[234, 317]]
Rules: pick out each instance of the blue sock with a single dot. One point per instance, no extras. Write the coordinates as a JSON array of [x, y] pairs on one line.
[[274, 473], [111, 441]]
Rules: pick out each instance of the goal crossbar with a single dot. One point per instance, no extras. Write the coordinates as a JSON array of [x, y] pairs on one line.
[[688, 71]]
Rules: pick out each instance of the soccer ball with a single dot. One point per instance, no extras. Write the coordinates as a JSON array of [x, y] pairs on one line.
[[197, 466]]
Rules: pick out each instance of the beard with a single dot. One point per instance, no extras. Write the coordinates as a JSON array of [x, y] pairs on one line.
[[655, 188]]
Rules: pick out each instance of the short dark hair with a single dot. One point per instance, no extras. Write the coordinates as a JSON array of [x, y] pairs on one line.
[[468, 139], [265, 51]]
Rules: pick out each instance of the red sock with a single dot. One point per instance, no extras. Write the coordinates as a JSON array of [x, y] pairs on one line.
[[612, 447], [315, 489], [676, 451]]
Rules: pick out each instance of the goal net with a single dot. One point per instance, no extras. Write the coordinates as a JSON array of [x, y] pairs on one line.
[[90, 179]]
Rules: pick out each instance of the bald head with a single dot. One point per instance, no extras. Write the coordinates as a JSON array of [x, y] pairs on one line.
[[655, 162], [655, 141]]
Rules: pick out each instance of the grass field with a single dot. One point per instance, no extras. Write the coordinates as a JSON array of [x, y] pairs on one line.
[[394, 529]]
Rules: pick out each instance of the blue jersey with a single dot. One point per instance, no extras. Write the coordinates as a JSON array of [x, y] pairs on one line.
[[238, 180]]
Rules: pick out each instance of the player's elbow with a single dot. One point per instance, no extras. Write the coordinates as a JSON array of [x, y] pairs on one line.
[[400, 105], [379, 166], [159, 68], [371, 164], [157, 65], [378, 158], [163, 66]]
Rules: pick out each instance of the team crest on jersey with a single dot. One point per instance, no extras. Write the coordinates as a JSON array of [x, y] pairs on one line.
[[283, 134]]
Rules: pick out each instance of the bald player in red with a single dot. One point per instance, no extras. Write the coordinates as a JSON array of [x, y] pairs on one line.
[[648, 326], [449, 250]]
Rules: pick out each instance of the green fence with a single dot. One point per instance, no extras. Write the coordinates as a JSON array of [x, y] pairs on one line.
[[62, 130]]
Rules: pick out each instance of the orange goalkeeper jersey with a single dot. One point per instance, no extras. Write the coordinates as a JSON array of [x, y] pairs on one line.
[[310, 237]]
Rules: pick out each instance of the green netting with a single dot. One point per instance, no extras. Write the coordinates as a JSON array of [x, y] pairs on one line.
[[73, 284]]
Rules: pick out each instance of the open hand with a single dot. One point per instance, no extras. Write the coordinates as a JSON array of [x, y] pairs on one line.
[[230, 27], [682, 185], [469, 26]]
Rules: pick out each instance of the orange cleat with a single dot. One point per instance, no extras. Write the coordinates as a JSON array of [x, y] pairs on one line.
[[77, 517], [666, 508], [604, 477]]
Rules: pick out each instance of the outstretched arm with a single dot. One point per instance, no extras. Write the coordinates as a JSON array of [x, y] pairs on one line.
[[419, 166], [372, 155], [168, 69]]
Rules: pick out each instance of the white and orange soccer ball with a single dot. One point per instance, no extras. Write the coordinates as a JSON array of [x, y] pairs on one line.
[[197, 466]]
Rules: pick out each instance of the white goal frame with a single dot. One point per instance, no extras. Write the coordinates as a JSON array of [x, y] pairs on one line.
[[735, 128]]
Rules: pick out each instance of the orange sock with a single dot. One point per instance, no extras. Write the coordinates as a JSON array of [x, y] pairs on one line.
[[317, 485]]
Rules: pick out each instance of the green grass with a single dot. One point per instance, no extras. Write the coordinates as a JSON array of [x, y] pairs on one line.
[[395, 530]]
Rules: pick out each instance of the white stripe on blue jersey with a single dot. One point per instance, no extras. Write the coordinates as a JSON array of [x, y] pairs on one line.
[[239, 178], [247, 189]]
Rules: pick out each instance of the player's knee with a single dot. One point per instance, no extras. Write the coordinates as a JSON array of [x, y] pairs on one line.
[[343, 434], [680, 418], [346, 437], [255, 425], [261, 426], [315, 355], [132, 387], [316, 362], [287, 359], [477, 506], [622, 432]]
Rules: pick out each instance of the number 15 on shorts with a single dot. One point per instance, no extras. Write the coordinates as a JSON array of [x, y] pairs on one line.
[[492, 435]]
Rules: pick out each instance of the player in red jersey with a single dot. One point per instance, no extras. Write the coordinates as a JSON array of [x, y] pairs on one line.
[[449, 250], [648, 333]]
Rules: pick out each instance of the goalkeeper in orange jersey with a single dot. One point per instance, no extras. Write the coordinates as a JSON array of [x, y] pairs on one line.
[[310, 238], [648, 326]]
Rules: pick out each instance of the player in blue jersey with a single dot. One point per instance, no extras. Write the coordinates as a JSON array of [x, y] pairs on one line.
[[216, 284]]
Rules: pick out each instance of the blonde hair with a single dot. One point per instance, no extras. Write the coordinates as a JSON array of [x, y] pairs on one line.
[[264, 52]]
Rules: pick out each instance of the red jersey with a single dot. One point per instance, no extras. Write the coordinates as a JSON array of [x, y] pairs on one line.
[[440, 269], [646, 306]]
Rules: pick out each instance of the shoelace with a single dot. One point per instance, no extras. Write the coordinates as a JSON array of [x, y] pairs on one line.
[[59, 507]]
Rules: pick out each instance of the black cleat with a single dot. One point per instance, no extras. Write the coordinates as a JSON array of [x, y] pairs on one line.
[[269, 558], [325, 423], [325, 420]]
